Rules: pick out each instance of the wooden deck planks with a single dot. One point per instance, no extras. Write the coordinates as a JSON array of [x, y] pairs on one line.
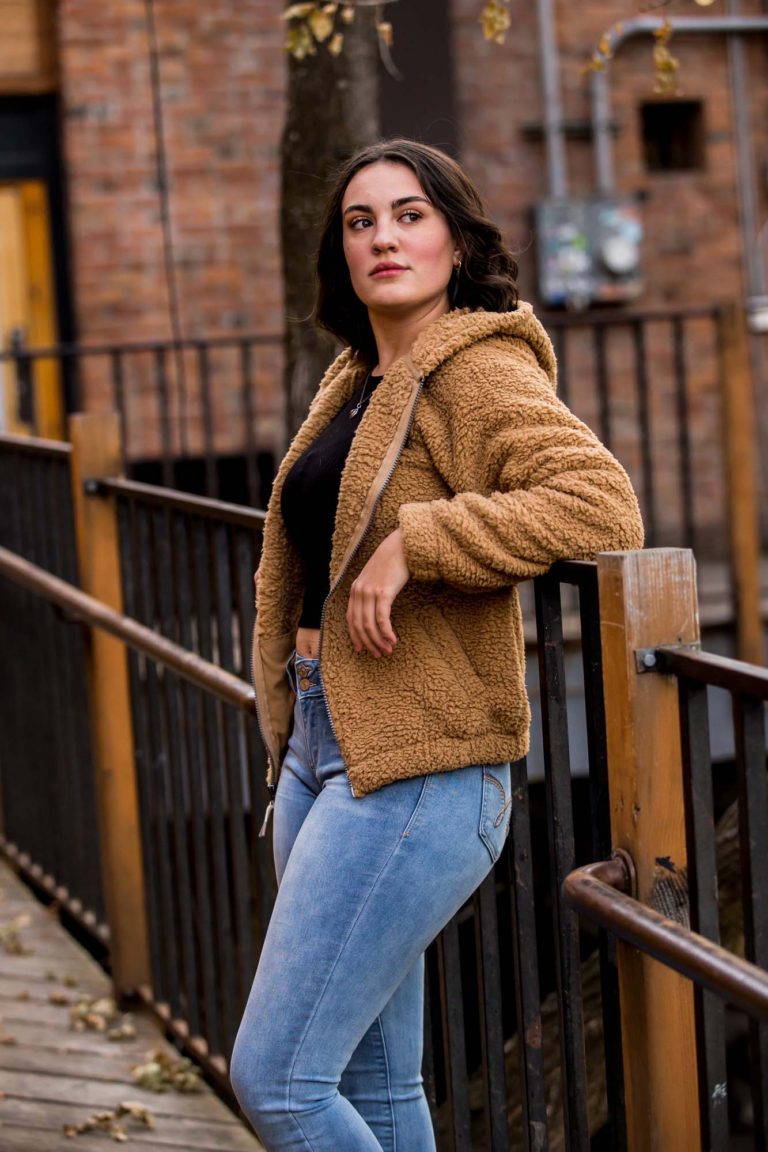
[[52, 1075]]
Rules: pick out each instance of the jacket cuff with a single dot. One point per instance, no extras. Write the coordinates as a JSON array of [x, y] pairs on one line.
[[416, 522]]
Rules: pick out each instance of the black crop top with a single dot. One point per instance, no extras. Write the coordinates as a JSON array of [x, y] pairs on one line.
[[310, 495]]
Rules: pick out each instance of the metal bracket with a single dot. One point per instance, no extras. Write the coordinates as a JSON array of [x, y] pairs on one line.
[[646, 659], [92, 486]]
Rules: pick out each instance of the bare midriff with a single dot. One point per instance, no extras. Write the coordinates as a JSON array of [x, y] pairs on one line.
[[308, 642]]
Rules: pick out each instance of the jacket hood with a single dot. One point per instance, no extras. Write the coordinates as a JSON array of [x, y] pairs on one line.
[[460, 329]]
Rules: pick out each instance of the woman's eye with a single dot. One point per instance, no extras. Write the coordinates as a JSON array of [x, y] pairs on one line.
[[411, 215], [359, 222]]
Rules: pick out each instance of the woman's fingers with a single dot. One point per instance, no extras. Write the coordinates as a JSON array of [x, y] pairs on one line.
[[372, 595], [368, 619]]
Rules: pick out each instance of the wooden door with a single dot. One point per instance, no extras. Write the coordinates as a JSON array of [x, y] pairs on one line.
[[27, 308]]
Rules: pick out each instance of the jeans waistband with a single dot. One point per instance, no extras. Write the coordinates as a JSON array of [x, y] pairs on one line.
[[304, 675]]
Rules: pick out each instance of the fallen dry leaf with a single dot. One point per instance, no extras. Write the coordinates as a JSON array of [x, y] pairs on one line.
[[10, 939], [164, 1073], [101, 1015], [110, 1122]]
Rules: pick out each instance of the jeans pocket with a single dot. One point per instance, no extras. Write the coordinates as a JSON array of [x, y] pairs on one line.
[[496, 808], [425, 783]]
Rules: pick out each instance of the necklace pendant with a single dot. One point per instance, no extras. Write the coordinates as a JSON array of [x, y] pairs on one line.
[[354, 411]]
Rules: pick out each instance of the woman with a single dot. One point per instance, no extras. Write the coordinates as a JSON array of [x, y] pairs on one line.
[[435, 470]]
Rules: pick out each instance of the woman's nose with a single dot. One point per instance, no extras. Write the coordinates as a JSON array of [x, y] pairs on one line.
[[384, 236]]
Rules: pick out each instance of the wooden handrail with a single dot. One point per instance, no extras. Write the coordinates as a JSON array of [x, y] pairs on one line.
[[80, 606], [601, 892]]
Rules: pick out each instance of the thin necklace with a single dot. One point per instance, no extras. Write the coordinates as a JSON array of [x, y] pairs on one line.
[[362, 399]]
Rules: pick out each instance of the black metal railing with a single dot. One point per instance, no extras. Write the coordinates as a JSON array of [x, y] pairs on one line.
[[187, 571], [726, 910], [513, 1049], [49, 819], [523, 1049], [649, 384], [203, 415], [697, 672]]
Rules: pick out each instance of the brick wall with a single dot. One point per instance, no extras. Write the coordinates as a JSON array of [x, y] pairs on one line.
[[222, 73], [223, 90], [693, 251]]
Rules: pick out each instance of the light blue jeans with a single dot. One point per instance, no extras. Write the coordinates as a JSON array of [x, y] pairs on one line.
[[328, 1055]]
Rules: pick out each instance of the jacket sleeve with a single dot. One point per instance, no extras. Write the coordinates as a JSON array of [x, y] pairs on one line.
[[532, 485]]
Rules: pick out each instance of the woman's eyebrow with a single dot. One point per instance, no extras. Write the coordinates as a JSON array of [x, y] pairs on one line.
[[395, 204]]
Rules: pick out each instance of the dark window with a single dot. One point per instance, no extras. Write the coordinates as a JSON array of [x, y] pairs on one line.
[[673, 135]]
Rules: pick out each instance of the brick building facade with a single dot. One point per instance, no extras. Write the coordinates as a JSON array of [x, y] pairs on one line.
[[223, 81], [222, 78]]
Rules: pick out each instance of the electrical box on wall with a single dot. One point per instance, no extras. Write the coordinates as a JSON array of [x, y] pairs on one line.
[[589, 251]]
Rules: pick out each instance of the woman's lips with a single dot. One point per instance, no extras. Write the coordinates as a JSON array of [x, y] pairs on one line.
[[386, 271]]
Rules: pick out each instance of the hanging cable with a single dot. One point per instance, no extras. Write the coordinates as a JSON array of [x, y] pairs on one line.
[[163, 188]]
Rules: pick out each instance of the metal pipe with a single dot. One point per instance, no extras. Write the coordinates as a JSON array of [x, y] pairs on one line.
[[218, 510], [554, 135], [735, 676], [642, 26], [739, 70], [81, 606], [599, 890]]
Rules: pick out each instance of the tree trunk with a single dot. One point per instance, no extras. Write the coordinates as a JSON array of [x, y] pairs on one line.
[[332, 111]]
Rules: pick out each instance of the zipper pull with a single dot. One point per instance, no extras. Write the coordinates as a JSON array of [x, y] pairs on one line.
[[267, 814]]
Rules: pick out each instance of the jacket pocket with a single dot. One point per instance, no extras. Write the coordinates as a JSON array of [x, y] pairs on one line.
[[496, 808]]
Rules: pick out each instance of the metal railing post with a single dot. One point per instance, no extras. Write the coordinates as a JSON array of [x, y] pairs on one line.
[[24, 414], [95, 439], [647, 599]]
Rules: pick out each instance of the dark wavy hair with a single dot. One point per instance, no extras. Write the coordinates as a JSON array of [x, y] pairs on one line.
[[488, 275]]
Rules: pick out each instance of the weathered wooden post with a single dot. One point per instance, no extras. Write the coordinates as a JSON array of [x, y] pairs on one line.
[[740, 469], [648, 599], [96, 452]]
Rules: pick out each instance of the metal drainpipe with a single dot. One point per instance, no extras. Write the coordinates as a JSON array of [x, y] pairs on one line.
[[739, 69], [640, 26], [554, 135]]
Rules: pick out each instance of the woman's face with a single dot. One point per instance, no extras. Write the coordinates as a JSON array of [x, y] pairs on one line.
[[398, 246]]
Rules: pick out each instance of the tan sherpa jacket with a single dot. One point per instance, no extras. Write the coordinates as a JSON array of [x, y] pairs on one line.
[[491, 478]]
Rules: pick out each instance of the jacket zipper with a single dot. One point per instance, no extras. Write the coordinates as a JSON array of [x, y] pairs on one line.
[[357, 547]]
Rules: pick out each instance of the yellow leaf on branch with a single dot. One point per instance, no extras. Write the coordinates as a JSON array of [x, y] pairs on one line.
[[495, 20], [321, 24], [297, 11]]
